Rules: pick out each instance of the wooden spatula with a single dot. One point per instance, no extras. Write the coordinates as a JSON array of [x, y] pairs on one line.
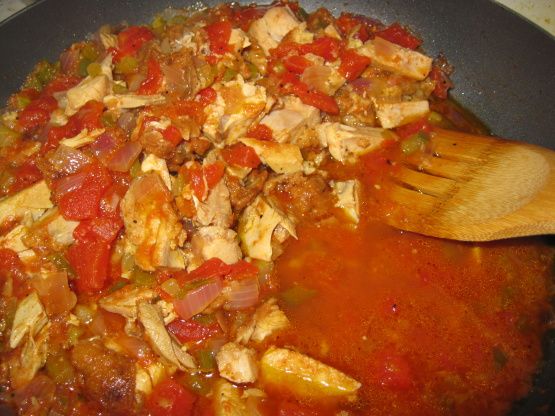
[[476, 188]]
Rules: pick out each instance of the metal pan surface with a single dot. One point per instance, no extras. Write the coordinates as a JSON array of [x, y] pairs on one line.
[[504, 72]]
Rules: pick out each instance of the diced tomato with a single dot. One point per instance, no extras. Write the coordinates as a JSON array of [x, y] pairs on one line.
[[11, 265], [413, 128], [288, 408], [260, 132], [131, 40], [25, 174], [213, 267], [103, 228], [242, 269], [207, 96], [88, 117], [84, 202], [213, 173], [170, 398], [60, 83], [326, 47], [172, 135], [241, 155], [90, 259], [352, 64], [180, 107], [203, 178], [37, 113], [394, 371], [285, 49], [348, 22], [442, 82], [186, 331], [399, 35], [218, 36], [296, 64], [292, 85], [154, 78]]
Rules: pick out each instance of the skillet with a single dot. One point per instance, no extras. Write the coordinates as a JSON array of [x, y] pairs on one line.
[[504, 73]]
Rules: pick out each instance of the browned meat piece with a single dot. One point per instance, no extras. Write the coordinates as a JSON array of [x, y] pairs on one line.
[[109, 377], [319, 19], [181, 74], [242, 194], [153, 142], [199, 146], [300, 196]]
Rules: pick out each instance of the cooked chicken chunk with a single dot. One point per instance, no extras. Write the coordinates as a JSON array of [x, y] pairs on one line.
[[280, 157], [294, 114], [396, 114], [30, 317], [153, 163], [227, 400], [216, 210], [90, 89], [215, 241], [267, 320], [347, 198], [397, 59], [237, 363], [34, 199], [346, 143], [120, 101], [124, 301], [271, 28]]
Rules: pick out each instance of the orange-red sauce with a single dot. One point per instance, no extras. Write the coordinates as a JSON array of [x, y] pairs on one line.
[[427, 326]]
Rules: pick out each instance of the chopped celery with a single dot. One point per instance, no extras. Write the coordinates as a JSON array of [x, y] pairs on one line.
[[279, 68], [61, 263], [253, 69], [297, 294], [204, 319], [435, 118], [126, 65], [117, 286], [171, 287], [206, 360], [59, 368], [158, 25], [8, 137], [73, 334], [83, 313], [196, 382], [229, 74], [21, 101], [142, 278], [90, 52], [43, 73], [109, 119], [134, 172], [83, 65], [414, 143], [94, 69], [119, 88]]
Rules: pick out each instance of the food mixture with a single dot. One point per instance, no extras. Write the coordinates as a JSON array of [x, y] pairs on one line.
[[190, 225]]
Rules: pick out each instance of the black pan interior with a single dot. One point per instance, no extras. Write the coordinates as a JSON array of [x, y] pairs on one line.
[[504, 71]]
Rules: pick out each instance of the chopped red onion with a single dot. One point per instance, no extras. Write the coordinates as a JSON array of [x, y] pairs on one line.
[[243, 293], [124, 157], [196, 300]]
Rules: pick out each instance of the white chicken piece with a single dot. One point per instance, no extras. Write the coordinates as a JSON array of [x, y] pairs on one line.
[[30, 317], [216, 209], [60, 229], [13, 239], [159, 338], [91, 88], [396, 58], [151, 222], [304, 375], [256, 226], [83, 138], [323, 76], [213, 241], [34, 200], [237, 363], [32, 358], [271, 28], [124, 301], [109, 40], [294, 114], [396, 114], [238, 104], [331, 31], [346, 143], [347, 193], [119, 101], [146, 378], [228, 401], [266, 321], [239, 40], [280, 157], [153, 163]]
